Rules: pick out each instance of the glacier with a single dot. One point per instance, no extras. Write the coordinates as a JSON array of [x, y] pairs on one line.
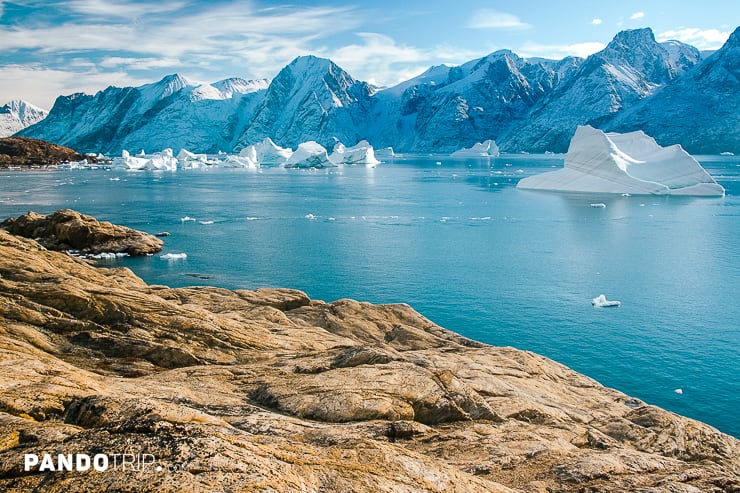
[[629, 163]]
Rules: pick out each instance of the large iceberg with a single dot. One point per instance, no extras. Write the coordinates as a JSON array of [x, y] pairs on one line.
[[480, 149], [361, 153], [266, 153], [309, 154], [632, 163]]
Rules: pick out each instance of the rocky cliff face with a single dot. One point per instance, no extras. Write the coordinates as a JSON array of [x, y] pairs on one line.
[[268, 390]]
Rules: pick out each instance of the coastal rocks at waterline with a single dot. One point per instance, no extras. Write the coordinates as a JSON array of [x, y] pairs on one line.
[[27, 152], [631, 163], [69, 230], [269, 390]]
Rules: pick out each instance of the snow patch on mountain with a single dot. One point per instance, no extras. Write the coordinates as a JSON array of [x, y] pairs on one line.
[[17, 115]]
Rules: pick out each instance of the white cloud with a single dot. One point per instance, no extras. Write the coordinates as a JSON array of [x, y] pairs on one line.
[[132, 63], [596, 21], [704, 39], [381, 61], [637, 15], [41, 86], [493, 19], [557, 52], [108, 9]]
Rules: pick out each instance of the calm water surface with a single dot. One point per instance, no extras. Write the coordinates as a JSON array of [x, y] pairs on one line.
[[464, 247]]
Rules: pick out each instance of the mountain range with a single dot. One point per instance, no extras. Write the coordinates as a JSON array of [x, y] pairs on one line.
[[670, 90]]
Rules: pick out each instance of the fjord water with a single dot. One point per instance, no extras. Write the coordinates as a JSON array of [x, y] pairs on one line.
[[456, 240]]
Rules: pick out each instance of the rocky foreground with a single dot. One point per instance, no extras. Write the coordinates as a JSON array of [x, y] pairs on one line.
[[268, 390]]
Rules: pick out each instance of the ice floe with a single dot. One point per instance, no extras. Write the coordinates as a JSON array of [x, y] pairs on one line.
[[601, 301], [630, 163], [174, 256]]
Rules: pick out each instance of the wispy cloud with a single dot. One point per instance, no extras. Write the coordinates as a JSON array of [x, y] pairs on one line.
[[531, 49], [704, 39], [596, 21], [637, 15], [111, 9], [380, 60], [493, 19]]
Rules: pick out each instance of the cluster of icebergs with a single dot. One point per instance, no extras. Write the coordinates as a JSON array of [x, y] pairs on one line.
[[266, 153], [630, 163]]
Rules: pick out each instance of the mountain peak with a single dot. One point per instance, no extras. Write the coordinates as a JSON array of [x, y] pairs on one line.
[[632, 37]]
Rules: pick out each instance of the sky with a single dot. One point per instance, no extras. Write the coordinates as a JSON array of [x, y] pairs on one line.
[[59, 47]]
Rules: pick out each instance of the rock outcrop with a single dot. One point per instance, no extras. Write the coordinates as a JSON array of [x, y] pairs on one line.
[[24, 151], [69, 230], [268, 390]]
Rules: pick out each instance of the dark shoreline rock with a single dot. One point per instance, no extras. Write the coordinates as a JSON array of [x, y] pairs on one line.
[[269, 390], [27, 152], [69, 230]]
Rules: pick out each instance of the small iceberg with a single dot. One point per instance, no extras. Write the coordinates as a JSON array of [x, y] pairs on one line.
[[679, 391], [630, 163], [309, 154], [185, 219], [601, 301], [174, 256], [360, 153], [599, 205], [488, 148]]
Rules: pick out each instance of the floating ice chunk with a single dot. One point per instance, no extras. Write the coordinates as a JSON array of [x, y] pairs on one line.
[[206, 222], [633, 163], [174, 256], [599, 205], [679, 391], [186, 219], [384, 153], [309, 154], [108, 255], [164, 160], [360, 153], [480, 149], [601, 301], [162, 233], [189, 160], [232, 161], [310, 217], [126, 161]]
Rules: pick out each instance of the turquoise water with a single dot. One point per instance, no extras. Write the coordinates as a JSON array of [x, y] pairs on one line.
[[464, 247]]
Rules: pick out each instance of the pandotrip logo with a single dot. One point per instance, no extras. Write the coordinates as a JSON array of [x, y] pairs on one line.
[[86, 462]]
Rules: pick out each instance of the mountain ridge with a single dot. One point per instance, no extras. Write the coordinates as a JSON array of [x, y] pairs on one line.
[[525, 104]]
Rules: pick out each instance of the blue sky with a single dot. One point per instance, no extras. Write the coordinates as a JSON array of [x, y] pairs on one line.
[[48, 48]]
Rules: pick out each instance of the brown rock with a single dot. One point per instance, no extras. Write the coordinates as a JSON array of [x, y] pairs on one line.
[[69, 230], [269, 391], [24, 151]]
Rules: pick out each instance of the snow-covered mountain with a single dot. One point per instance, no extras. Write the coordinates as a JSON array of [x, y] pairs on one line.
[[701, 110], [174, 112], [17, 115], [310, 99], [535, 105], [631, 68], [447, 108]]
